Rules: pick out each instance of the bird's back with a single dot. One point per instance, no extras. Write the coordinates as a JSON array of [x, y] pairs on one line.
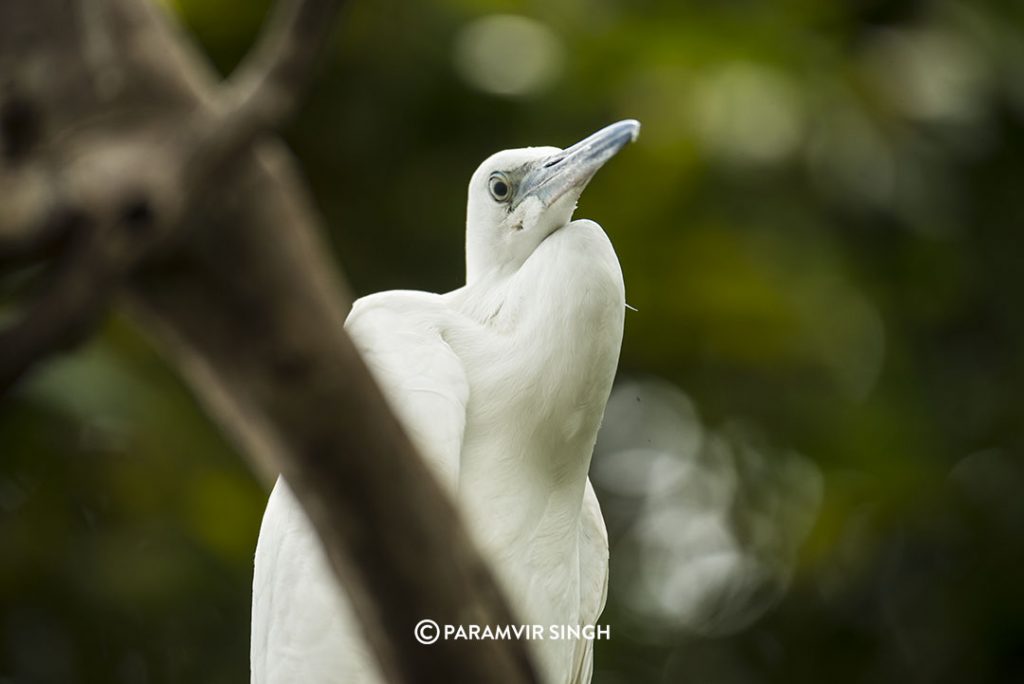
[[509, 455]]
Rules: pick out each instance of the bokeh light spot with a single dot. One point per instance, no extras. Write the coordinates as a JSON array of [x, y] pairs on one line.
[[748, 114], [508, 55]]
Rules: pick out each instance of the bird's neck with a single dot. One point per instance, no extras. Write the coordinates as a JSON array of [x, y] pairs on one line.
[[486, 262], [541, 349], [483, 297]]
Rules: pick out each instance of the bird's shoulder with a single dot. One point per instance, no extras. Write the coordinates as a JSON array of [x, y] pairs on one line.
[[395, 306], [401, 337], [402, 331]]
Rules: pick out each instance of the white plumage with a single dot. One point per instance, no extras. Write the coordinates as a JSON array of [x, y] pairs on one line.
[[501, 385]]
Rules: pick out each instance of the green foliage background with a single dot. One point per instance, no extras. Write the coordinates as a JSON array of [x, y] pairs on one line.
[[821, 229]]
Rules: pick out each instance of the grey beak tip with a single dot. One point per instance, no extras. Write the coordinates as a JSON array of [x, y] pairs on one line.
[[573, 167], [634, 128]]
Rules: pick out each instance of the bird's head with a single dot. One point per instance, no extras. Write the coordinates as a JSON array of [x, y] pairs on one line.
[[519, 197]]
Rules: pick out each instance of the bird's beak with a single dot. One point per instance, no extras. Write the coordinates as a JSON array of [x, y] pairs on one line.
[[571, 169]]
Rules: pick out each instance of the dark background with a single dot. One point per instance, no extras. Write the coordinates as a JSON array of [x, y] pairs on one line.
[[811, 464]]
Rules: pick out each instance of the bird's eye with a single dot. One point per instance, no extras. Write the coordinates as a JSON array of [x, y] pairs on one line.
[[500, 188]]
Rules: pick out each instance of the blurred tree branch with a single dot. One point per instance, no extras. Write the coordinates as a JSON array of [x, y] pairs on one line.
[[129, 175]]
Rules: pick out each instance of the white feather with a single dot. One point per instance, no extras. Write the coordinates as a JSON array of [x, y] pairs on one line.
[[501, 385]]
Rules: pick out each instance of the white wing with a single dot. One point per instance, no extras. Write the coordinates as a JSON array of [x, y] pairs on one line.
[[400, 337], [303, 628]]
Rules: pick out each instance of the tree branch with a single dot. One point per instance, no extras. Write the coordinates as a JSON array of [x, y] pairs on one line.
[[246, 304], [78, 294], [268, 85], [270, 82], [265, 88]]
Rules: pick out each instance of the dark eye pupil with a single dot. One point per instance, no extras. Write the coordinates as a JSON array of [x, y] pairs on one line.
[[500, 189]]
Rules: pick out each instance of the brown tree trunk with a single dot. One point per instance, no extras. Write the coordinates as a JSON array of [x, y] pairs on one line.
[[132, 174]]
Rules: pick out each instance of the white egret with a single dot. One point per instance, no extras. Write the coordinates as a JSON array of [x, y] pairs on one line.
[[502, 385]]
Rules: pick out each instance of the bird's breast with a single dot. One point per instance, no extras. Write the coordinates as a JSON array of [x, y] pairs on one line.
[[539, 383], [569, 304]]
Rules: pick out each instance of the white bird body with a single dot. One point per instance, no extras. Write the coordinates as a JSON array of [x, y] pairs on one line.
[[501, 385]]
